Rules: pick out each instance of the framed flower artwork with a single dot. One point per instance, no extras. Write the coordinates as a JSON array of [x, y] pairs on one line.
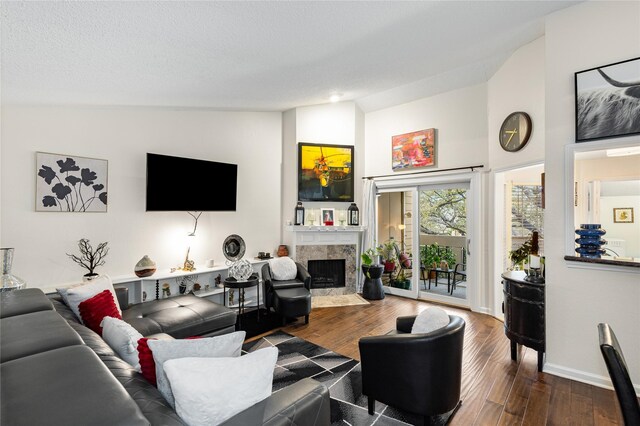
[[68, 183]]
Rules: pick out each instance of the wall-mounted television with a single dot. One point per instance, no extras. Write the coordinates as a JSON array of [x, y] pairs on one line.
[[187, 184]]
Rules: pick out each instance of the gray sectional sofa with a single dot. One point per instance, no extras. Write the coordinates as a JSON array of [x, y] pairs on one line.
[[55, 371]]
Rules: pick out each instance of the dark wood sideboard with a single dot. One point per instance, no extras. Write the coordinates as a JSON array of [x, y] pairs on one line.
[[524, 313]]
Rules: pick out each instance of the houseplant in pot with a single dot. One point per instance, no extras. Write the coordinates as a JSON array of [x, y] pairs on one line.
[[433, 256], [388, 252], [372, 287], [89, 258]]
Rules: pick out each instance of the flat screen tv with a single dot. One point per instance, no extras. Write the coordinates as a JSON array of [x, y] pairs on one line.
[[186, 184]]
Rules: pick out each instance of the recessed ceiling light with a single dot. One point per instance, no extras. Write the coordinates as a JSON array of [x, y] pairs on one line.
[[335, 97], [622, 152]]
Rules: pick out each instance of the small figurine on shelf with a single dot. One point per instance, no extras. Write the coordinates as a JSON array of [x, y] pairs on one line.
[[189, 265], [166, 290], [197, 287], [144, 296], [218, 281]]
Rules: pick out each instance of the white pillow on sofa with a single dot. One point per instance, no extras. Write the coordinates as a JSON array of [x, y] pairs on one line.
[[431, 319], [283, 268], [75, 295], [227, 345], [235, 384], [123, 339]]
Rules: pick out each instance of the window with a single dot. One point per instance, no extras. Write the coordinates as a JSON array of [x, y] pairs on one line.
[[527, 214]]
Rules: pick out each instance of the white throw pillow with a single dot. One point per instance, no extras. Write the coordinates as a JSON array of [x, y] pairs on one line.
[[235, 384], [431, 319], [123, 339], [227, 345], [77, 295], [283, 268]]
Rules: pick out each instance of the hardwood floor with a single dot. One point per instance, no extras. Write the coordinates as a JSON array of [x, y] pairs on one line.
[[495, 390]]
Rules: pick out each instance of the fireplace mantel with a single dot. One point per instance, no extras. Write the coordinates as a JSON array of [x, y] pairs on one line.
[[327, 243], [306, 228]]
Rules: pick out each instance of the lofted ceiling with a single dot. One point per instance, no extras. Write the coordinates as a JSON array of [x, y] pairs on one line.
[[267, 56]]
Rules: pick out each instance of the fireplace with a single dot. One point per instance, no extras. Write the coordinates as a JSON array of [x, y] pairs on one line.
[[327, 273]]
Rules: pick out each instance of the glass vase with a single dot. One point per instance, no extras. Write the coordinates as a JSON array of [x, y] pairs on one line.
[[9, 281]]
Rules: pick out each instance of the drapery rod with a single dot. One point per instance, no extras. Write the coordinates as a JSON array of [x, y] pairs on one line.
[[426, 172]]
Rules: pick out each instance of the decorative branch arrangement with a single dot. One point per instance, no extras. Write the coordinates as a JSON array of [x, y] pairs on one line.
[[89, 258], [196, 216], [68, 186]]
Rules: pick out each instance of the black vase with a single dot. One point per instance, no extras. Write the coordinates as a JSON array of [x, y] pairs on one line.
[[372, 288]]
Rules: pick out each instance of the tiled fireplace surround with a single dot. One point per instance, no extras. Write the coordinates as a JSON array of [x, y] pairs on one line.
[[329, 243]]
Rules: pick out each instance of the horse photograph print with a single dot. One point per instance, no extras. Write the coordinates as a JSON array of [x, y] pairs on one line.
[[608, 101]]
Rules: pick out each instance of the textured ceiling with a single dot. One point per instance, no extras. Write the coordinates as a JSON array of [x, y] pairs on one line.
[[255, 55]]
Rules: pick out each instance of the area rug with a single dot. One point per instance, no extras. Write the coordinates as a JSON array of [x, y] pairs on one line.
[[298, 358], [334, 301]]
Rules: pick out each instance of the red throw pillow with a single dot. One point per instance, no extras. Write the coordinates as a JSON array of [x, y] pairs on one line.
[[147, 364], [93, 310]]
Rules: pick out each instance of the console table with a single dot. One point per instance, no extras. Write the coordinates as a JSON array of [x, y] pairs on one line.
[[137, 285], [524, 313]]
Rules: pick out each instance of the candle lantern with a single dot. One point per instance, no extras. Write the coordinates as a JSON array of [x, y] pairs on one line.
[[299, 217], [353, 215]]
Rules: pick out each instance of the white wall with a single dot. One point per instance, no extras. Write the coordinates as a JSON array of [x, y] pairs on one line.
[[336, 123], [577, 38], [124, 136], [518, 86], [460, 117]]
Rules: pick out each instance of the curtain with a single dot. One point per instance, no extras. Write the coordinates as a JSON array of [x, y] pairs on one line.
[[368, 221]]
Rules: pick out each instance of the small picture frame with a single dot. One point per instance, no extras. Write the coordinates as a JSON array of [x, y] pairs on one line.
[[623, 215], [328, 216]]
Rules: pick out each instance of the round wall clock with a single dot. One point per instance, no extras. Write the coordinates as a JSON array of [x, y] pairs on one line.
[[515, 131]]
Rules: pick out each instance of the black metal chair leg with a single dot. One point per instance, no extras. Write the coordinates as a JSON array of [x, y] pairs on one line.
[[306, 319], [372, 405]]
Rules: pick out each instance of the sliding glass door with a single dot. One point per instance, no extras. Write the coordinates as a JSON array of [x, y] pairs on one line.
[[444, 242], [395, 241], [425, 235]]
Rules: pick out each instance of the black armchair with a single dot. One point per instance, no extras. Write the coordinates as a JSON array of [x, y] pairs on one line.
[[619, 374], [289, 298], [418, 373]]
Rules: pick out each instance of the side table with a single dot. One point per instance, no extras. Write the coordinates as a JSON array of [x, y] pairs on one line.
[[232, 283]]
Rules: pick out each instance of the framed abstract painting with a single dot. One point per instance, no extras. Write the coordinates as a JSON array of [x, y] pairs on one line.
[[69, 183], [608, 101], [325, 172], [412, 150]]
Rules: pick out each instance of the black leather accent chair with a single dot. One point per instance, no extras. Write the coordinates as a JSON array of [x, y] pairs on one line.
[[289, 298], [418, 373], [619, 374]]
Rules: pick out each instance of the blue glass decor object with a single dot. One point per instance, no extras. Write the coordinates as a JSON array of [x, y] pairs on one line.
[[590, 243]]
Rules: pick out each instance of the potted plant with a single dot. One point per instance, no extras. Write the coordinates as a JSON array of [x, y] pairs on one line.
[[89, 258], [388, 251], [520, 255], [433, 256]]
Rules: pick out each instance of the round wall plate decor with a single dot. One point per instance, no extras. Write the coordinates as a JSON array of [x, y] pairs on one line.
[[233, 247]]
